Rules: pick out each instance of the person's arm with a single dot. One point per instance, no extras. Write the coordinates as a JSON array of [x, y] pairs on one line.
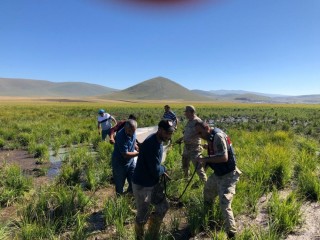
[[113, 130], [177, 121], [99, 127], [214, 159], [129, 155], [114, 120], [220, 149]]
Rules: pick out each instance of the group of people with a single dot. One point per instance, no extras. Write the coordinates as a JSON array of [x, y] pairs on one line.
[[144, 174]]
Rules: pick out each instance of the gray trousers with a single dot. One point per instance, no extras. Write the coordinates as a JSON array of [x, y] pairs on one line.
[[142, 196]]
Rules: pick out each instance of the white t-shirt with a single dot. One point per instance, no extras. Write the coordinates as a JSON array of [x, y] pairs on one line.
[[105, 121]]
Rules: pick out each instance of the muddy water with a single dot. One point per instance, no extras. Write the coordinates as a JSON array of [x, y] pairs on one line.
[[56, 161]]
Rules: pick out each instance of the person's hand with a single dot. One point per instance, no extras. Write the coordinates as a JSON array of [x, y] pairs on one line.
[[111, 141], [136, 147]]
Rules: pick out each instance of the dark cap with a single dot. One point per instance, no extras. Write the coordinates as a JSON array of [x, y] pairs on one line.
[[190, 108], [166, 125]]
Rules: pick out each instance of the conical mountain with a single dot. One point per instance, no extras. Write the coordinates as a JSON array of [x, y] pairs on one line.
[[158, 88]]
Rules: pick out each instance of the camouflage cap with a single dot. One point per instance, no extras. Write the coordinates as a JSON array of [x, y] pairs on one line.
[[190, 108]]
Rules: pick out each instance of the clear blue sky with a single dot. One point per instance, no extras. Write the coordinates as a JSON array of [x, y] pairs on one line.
[[256, 45]]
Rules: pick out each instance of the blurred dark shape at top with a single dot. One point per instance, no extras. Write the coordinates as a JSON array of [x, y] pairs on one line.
[[159, 3]]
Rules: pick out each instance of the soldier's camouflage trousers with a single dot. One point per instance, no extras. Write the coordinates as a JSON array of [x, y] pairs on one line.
[[190, 156], [224, 187]]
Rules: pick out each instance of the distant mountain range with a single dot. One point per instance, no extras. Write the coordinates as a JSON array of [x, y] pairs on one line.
[[255, 97], [40, 88], [158, 88], [228, 92]]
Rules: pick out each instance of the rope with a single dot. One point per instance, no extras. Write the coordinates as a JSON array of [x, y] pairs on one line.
[[178, 199]]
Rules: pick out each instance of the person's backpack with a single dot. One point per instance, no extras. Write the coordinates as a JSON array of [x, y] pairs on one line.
[[222, 168]]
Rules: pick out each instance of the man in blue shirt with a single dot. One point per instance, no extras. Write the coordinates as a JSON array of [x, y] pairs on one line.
[[168, 114], [123, 156], [146, 177]]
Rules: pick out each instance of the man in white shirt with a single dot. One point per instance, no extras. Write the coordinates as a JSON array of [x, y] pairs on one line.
[[105, 123]]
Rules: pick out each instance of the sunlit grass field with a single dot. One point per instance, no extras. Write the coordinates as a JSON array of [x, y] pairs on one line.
[[277, 149]]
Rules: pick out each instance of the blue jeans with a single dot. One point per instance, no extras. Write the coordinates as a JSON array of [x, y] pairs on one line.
[[104, 134], [122, 172]]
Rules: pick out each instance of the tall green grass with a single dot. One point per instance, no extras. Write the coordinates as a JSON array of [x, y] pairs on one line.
[[284, 214], [275, 147], [267, 161], [85, 167], [258, 233], [308, 170], [117, 212], [4, 232], [13, 184], [53, 211]]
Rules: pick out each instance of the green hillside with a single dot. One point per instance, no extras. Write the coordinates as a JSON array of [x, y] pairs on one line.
[[158, 88], [40, 88]]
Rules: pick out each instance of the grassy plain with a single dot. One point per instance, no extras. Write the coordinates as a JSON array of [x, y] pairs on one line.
[[277, 149]]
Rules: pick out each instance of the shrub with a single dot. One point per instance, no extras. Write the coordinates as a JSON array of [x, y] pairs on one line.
[[41, 152]]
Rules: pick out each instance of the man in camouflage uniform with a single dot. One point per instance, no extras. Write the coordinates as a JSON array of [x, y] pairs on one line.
[[192, 144], [222, 182]]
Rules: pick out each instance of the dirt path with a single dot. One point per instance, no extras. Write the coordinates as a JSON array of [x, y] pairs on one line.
[[311, 227]]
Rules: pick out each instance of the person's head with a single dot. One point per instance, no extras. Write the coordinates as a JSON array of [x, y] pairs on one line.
[[133, 117], [189, 112], [130, 127], [165, 130], [101, 112], [166, 108], [202, 129]]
